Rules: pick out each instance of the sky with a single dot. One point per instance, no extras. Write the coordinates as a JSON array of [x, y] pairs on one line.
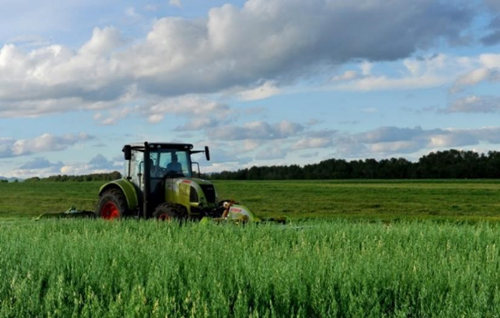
[[261, 82]]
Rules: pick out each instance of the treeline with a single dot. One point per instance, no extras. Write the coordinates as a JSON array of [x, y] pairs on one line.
[[88, 177], [449, 164]]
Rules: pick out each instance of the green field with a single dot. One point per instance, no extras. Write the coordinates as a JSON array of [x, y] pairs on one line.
[[88, 268], [363, 200], [352, 249]]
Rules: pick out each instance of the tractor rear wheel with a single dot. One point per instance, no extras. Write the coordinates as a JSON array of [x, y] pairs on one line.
[[167, 212], [112, 205]]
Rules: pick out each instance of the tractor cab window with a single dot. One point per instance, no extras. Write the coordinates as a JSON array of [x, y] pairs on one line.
[[170, 163], [137, 167]]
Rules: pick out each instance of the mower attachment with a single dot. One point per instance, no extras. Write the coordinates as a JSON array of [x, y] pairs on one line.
[[72, 212]]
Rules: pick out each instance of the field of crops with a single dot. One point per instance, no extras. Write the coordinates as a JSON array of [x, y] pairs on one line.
[[352, 249], [88, 268]]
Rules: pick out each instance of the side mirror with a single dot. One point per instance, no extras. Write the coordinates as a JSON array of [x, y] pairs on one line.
[[207, 153], [127, 152]]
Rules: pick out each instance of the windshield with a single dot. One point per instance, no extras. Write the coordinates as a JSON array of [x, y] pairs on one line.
[[171, 163]]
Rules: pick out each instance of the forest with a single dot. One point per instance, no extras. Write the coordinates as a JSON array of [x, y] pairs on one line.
[[105, 176], [448, 164]]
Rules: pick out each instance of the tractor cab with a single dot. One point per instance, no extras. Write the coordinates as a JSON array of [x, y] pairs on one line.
[[150, 163]]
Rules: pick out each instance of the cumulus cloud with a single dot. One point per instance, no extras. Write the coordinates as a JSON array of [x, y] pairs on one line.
[[112, 116], [175, 3], [42, 167], [395, 140], [411, 73], [313, 142], [240, 46], [346, 76], [272, 153], [265, 90], [200, 113], [421, 72], [258, 130], [486, 68], [475, 104], [98, 164], [230, 48], [494, 36], [37, 166], [220, 155], [58, 78], [102, 42], [493, 4], [41, 163], [10, 147], [315, 139], [492, 39]]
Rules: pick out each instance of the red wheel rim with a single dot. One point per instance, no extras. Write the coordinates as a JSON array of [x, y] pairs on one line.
[[164, 217], [109, 211]]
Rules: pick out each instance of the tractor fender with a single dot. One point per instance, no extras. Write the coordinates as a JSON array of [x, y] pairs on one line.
[[126, 187]]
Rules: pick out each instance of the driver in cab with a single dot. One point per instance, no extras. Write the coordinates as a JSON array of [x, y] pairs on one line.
[[174, 167]]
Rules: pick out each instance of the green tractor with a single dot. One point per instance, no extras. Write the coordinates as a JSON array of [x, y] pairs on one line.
[[159, 183]]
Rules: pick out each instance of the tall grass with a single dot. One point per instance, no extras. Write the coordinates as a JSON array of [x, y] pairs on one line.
[[88, 268]]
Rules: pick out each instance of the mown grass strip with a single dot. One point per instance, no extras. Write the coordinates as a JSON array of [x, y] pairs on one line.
[[389, 200]]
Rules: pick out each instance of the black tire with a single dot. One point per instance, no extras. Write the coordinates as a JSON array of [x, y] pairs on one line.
[[112, 205], [168, 212]]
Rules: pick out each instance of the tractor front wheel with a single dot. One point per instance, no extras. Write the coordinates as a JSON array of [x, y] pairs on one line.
[[167, 212], [112, 205]]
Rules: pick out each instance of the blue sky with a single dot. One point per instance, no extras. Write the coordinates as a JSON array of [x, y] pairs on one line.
[[262, 82]]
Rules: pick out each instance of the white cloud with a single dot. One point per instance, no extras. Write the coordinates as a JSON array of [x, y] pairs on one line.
[[42, 167], [346, 76], [98, 164], [313, 142], [389, 141], [475, 104], [411, 73], [175, 3], [249, 145], [394, 147], [102, 42], [385, 83], [199, 112], [199, 124], [188, 105], [490, 60], [272, 152], [222, 155], [366, 68], [473, 77], [131, 13], [40, 163], [486, 68], [453, 139], [230, 48], [39, 166], [263, 91], [112, 116], [10, 147], [257, 130]]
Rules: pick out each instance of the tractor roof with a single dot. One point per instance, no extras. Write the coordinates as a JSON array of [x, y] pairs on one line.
[[161, 145]]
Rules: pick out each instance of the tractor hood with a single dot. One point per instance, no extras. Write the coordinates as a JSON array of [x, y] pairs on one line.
[[196, 193]]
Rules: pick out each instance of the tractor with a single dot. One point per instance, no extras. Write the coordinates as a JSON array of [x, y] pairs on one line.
[[159, 183]]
